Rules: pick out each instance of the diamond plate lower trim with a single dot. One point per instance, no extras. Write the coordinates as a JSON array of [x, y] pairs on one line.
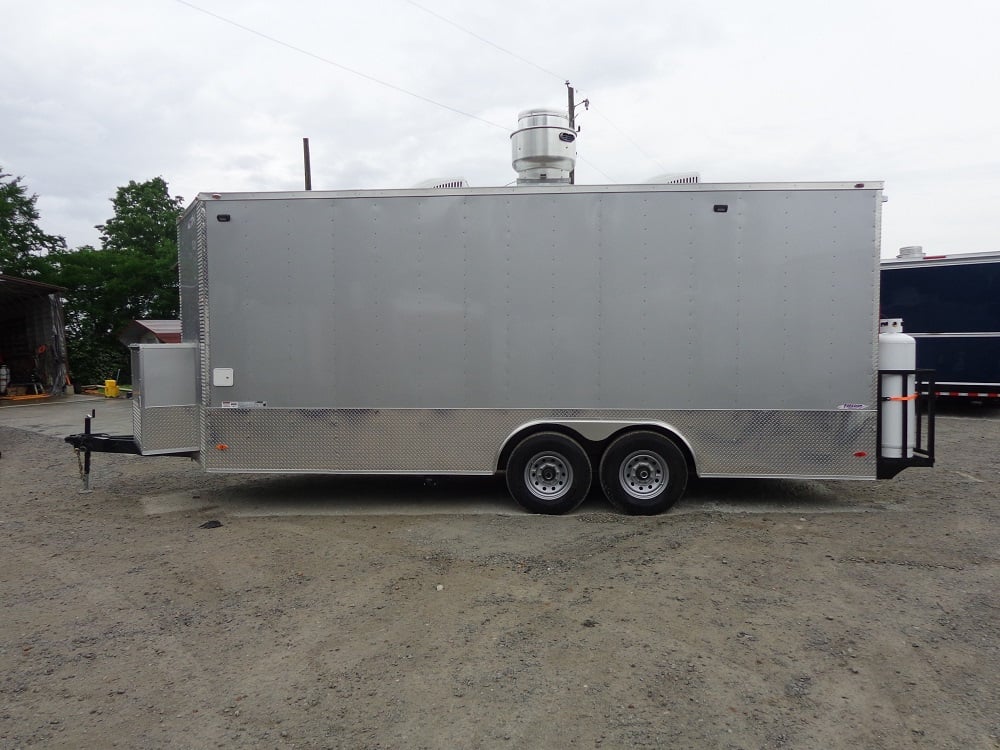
[[736, 443], [165, 429]]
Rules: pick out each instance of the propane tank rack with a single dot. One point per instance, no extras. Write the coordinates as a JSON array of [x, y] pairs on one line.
[[922, 451]]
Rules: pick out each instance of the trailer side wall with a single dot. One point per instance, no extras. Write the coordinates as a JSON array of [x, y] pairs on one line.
[[412, 331]]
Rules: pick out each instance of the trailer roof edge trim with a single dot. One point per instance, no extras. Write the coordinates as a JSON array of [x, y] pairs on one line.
[[703, 187], [957, 259]]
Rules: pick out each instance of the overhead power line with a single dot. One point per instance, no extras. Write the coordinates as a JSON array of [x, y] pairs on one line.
[[340, 66], [630, 139], [484, 40], [593, 166], [400, 89], [545, 70]]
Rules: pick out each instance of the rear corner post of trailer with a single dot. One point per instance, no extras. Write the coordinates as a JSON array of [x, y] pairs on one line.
[[573, 337]]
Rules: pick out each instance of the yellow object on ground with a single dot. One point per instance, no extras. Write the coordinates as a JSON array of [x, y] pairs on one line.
[[111, 389]]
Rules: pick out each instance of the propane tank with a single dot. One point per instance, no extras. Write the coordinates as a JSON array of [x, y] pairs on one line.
[[897, 351]]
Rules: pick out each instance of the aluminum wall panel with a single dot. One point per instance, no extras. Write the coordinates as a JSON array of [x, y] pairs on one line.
[[164, 409], [725, 443], [165, 374], [641, 299]]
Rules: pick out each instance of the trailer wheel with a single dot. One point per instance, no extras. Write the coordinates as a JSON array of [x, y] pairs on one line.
[[643, 473], [548, 473]]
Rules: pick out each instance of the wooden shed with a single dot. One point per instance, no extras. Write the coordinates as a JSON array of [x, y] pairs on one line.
[[32, 338]]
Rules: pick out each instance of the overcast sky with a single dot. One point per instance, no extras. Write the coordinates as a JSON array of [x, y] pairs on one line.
[[94, 94]]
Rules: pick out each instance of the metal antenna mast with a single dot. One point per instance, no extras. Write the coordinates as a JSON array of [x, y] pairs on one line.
[[571, 111]]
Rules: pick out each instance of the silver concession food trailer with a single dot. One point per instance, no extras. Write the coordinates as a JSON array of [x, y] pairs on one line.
[[567, 335]]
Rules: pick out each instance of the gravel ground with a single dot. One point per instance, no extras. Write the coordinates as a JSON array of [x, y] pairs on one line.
[[756, 615]]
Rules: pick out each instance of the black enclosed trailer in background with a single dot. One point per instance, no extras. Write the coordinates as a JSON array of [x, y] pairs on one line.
[[951, 305]]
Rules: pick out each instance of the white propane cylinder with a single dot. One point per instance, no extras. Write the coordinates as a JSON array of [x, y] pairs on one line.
[[897, 351]]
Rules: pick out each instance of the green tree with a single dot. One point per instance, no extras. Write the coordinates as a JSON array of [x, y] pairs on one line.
[[133, 275], [91, 314], [142, 236], [23, 244]]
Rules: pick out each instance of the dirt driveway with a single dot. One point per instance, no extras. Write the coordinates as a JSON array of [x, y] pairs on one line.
[[404, 613]]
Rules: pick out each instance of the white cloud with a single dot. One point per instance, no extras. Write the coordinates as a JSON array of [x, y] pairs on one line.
[[97, 94]]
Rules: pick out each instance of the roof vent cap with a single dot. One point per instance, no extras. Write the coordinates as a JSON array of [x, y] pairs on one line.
[[675, 178], [443, 182], [911, 251]]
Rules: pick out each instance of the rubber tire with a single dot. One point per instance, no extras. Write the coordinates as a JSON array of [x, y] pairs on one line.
[[566, 448], [669, 455]]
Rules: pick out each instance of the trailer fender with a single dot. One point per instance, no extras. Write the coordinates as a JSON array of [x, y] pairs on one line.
[[594, 432]]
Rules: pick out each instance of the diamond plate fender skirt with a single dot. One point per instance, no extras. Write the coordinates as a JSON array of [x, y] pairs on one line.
[[725, 443]]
